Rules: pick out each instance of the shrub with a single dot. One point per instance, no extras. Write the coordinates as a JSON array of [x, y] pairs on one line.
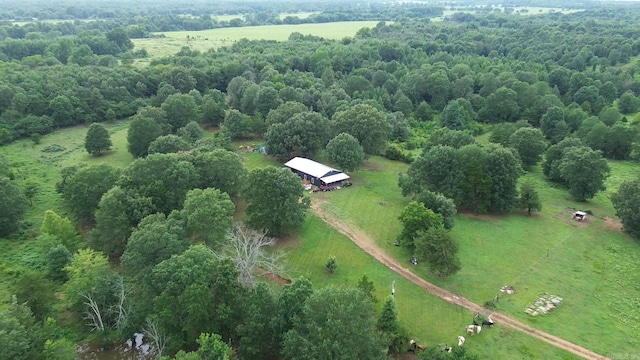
[[331, 264], [53, 148]]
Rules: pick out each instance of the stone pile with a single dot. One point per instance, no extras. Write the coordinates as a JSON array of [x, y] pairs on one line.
[[543, 305]]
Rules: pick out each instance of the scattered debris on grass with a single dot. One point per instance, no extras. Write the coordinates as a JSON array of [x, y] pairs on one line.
[[509, 290]]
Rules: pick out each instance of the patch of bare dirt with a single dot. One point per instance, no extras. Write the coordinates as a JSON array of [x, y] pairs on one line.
[[275, 278], [367, 244], [371, 166], [292, 240], [566, 215], [613, 224]]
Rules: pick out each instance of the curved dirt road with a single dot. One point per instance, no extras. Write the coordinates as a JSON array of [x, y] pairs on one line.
[[367, 244]]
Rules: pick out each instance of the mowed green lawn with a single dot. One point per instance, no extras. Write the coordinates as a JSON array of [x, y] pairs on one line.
[[590, 265], [429, 320], [214, 38]]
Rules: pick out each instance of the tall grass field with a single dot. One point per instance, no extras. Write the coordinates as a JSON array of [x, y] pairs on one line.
[[204, 40]]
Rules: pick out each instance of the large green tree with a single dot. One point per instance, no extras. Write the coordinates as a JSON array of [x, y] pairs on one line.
[[97, 140], [552, 157], [164, 178], [220, 169], [475, 187], [208, 299], [440, 204], [628, 103], [529, 144], [258, 338], [553, 125], [455, 116], [584, 171], [167, 144], [180, 109], [365, 123], [301, 135], [290, 305], [336, 323], [529, 199], [415, 219], [346, 151], [285, 112], [208, 215], [154, 240], [83, 189], [118, 212], [626, 201], [438, 170], [501, 106], [504, 169], [62, 228], [439, 250], [275, 200], [142, 131]]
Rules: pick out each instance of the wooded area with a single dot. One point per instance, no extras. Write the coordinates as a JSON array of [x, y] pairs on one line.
[[161, 248]]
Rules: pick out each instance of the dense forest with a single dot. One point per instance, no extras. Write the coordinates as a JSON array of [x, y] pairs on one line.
[[160, 247]]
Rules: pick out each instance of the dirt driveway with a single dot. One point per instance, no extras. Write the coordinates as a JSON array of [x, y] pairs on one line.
[[367, 244]]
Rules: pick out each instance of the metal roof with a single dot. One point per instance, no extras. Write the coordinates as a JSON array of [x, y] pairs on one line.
[[333, 178], [310, 167]]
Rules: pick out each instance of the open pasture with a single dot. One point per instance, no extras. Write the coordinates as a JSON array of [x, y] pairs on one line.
[[588, 264], [32, 165], [228, 17], [430, 320], [214, 38]]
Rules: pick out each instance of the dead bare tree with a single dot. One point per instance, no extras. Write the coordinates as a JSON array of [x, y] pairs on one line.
[[93, 314], [158, 339], [120, 309], [247, 248]]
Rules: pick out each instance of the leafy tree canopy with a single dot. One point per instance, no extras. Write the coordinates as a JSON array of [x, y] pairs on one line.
[[97, 140], [275, 200], [346, 151]]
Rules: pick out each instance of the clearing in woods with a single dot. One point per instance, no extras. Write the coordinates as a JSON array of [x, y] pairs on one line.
[[204, 40]]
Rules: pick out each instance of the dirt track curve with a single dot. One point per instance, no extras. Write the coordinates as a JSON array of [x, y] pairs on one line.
[[367, 244]]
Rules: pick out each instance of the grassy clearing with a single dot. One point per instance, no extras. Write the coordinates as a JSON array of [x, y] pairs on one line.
[[299, 15], [588, 264], [31, 165], [214, 38], [430, 320]]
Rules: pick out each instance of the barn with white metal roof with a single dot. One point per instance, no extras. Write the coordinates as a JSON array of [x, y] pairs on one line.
[[316, 173]]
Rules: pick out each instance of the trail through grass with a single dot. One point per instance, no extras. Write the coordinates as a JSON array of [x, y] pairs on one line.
[[431, 321]]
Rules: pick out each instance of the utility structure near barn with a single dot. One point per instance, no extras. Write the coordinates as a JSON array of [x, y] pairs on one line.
[[317, 174]]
